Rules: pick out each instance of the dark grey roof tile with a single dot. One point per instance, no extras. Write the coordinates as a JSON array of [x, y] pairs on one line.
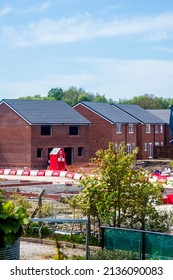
[[109, 112], [163, 114], [46, 111], [140, 114]]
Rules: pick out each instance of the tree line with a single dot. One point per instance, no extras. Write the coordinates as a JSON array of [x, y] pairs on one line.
[[74, 95]]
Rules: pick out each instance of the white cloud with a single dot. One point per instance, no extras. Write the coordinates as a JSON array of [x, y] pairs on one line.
[[45, 6], [127, 78], [64, 30], [5, 11], [116, 79], [37, 8]]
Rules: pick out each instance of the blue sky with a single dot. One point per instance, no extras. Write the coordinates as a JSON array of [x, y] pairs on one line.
[[119, 48]]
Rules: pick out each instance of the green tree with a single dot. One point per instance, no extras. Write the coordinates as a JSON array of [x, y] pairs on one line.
[[71, 96], [56, 93], [100, 98], [87, 198], [149, 101], [34, 97], [118, 193], [84, 97]]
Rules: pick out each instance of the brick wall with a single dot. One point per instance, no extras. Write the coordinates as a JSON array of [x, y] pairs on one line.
[[15, 135], [101, 132], [60, 138], [19, 141]]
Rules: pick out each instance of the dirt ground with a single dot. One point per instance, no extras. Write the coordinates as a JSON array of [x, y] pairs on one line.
[[149, 165], [47, 250]]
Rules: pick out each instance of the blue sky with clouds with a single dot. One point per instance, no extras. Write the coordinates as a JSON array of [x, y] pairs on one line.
[[119, 48]]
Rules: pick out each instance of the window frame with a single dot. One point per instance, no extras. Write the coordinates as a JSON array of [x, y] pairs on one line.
[[145, 147], [44, 129], [156, 128], [74, 130], [118, 128], [161, 128], [148, 128], [41, 151], [128, 148], [80, 151], [131, 128]]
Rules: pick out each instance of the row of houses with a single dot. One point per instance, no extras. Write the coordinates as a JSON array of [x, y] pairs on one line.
[[30, 129]]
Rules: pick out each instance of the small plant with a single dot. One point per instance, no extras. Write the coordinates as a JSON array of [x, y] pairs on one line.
[[12, 218], [33, 231], [70, 238], [60, 255], [114, 255]]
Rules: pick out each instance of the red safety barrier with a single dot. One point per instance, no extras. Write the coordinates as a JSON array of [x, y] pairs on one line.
[[69, 175], [56, 173], [26, 172], [164, 200], [41, 173], [170, 198], [162, 179], [1, 171], [13, 172], [155, 174]]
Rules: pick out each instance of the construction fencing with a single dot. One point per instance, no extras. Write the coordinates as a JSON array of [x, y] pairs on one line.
[[146, 244]]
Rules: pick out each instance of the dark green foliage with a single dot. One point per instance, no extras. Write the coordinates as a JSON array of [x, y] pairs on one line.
[[149, 101], [76, 238], [12, 218], [93, 241], [70, 238], [33, 231]]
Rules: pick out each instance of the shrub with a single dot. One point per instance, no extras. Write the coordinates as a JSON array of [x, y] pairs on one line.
[[12, 218], [114, 255], [70, 238], [33, 231]]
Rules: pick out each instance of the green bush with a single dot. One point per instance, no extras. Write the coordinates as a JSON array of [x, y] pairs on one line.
[[114, 255], [93, 241], [33, 231], [12, 218], [70, 238], [76, 238]]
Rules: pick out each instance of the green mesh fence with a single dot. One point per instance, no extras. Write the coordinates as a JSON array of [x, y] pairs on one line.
[[159, 246], [153, 245]]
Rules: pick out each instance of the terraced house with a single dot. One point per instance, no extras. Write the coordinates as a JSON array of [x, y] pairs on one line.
[[118, 123], [30, 129]]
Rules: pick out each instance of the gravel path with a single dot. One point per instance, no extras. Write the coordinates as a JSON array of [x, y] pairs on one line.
[[36, 251], [39, 251]]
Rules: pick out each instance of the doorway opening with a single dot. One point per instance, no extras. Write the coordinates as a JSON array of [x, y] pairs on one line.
[[69, 155]]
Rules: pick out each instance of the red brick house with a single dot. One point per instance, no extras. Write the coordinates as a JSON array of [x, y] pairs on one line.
[[118, 123], [109, 124], [30, 129], [164, 114]]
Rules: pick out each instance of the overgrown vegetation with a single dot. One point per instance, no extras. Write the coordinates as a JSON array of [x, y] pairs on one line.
[[114, 255], [119, 195], [48, 232]]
